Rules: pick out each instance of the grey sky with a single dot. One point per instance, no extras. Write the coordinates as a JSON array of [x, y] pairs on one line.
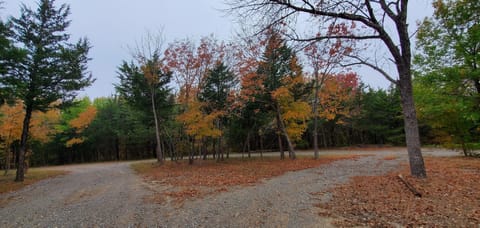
[[113, 25]]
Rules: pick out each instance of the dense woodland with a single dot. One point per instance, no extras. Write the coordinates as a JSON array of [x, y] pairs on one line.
[[208, 98]]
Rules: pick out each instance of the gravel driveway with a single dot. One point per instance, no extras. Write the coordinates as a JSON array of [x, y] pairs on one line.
[[111, 195]]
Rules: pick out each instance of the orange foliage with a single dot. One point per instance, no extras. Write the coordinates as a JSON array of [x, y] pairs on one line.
[[81, 123], [11, 122], [44, 124], [84, 119], [449, 198], [335, 94], [190, 63]]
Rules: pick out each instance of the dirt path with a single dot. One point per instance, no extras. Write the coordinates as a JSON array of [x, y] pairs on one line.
[[104, 194], [111, 195]]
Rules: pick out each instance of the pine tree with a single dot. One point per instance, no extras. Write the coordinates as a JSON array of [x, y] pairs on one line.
[[52, 68], [278, 63]]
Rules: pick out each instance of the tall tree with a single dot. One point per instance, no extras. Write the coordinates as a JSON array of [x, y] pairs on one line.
[[9, 56], [146, 86], [53, 69], [448, 67], [374, 16], [451, 38], [278, 63], [217, 92], [324, 57]]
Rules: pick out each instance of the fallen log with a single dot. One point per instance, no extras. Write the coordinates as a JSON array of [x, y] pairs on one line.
[[409, 186]]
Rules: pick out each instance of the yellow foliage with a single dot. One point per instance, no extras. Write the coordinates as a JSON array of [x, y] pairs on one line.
[[295, 114], [11, 121], [74, 141], [43, 124], [199, 124]]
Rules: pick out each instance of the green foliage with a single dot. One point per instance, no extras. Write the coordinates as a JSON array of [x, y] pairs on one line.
[[9, 56], [136, 90], [448, 108], [217, 88], [381, 116], [447, 85], [52, 69]]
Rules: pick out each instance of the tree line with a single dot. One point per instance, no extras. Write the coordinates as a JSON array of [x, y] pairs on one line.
[[193, 99]]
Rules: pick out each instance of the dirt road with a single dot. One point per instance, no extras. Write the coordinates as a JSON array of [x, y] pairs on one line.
[[111, 195], [103, 194]]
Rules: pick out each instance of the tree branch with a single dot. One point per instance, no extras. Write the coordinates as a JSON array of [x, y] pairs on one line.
[[319, 38], [375, 67]]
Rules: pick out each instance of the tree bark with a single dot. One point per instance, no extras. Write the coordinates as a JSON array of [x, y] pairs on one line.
[[158, 148], [23, 144], [412, 136], [315, 116], [279, 137], [291, 151], [7, 159]]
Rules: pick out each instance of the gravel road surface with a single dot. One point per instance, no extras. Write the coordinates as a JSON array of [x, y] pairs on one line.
[[111, 195]]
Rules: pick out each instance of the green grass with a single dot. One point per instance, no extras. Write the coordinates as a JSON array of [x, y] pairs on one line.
[[7, 183]]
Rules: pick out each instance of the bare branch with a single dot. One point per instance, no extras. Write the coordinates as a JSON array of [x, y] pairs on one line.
[[352, 37], [373, 66]]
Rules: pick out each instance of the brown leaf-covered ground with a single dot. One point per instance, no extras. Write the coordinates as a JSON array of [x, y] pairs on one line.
[[208, 176], [450, 197]]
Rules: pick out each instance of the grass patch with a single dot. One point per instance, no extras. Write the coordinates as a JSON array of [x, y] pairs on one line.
[[7, 183], [208, 176], [449, 197]]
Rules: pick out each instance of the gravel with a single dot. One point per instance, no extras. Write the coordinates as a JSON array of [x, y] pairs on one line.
[[103, 195], [111, 195]]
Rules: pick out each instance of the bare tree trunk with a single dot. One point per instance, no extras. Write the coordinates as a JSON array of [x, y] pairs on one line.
[[158, 148], [315, 117], [248, 148], [261, 146], [412, 136], [23, 144], [291, 151], [280, 143], [7, 159]]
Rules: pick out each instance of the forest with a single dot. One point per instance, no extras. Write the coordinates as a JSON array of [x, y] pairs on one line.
[[208, 98]]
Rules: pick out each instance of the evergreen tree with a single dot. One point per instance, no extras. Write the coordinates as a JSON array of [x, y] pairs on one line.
[[52, 69], [216, 92], [219, 82], [145, 88]]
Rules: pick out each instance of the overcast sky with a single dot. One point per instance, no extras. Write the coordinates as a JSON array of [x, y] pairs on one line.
[[112, 25]]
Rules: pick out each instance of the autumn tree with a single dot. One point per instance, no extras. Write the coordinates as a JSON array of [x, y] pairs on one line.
[[374, 18], [10, 128], [277, 64], [81, 123], [324, 57], [52, 69], [189, 64], [43, 126]]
